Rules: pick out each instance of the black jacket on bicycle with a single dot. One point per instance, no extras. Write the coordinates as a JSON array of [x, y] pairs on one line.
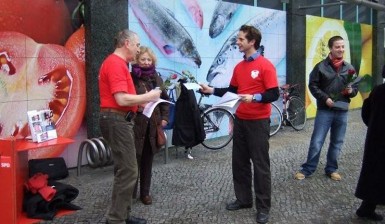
[[188, 128], [325, 82]]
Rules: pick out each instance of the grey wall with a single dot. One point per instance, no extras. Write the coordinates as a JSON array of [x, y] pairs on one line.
[[296, 52], [378, 47], [103, 20]]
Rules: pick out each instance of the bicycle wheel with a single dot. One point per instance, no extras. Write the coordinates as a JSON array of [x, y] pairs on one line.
[[296, 113], [218, 125], [275, 119]]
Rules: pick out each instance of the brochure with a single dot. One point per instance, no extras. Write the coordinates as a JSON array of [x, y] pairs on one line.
[[341, 105], [355, 81], [41, 125], [149, 108], [192, 85], [229, 101]]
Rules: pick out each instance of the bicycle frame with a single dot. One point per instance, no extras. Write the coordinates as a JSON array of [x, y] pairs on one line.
[[294, 117], [204, 107], [285, 93], [213, 120]]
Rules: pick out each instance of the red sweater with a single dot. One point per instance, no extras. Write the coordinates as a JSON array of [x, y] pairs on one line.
[[251, 77]]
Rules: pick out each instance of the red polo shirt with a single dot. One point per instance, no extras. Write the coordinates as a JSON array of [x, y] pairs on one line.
[[115, 77]]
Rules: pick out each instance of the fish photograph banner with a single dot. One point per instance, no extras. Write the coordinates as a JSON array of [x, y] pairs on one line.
[[358, 51], [198, 37]]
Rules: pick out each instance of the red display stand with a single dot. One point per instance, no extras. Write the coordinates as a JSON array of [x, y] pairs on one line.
[[13, 174]]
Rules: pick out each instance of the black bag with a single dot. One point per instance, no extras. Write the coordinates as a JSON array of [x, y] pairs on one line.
[[56, 168], [188, 126]]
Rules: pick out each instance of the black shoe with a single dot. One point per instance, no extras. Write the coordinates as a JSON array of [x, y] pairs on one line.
[[371, 215], [236, 205], [134, 220], [262, 217]]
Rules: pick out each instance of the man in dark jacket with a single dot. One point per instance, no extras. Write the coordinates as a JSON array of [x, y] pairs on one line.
[[330, 84], [371, 184]]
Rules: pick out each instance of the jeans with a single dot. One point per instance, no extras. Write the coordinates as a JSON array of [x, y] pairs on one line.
[[336, 121]]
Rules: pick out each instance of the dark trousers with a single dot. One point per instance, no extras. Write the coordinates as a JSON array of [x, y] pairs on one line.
[[119, 135], [145, 168], [251, 144]]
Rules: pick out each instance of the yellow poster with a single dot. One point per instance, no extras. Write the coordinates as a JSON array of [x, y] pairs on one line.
[[358, 52]]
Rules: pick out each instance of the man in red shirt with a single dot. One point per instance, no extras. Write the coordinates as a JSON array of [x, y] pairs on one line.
[[118, 106], [255, 81]]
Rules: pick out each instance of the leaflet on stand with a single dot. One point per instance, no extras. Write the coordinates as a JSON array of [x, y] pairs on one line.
[[41, 125], [149, 108]]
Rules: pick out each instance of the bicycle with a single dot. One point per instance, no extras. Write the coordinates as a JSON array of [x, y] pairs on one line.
[[218, 125], [293, 112], [217, 122]]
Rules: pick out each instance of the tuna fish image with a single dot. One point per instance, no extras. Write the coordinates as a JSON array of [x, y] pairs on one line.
[[195, 11], [223, 13], [170, 37], [220, 72]]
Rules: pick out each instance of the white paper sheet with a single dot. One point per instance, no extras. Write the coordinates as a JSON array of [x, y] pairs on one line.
[[149, 108], [192, 85], [229, 101]]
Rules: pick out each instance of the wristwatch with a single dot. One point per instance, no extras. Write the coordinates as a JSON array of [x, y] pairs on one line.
[[257, 97]]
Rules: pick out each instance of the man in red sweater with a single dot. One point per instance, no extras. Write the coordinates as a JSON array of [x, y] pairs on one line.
[[118, 106], [255, 81]]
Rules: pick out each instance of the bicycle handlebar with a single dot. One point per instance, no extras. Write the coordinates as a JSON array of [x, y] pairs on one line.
[[203, 94]]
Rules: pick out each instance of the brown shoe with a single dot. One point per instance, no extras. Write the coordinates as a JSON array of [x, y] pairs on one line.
[[334, 176], [299, 176], [147, 200]]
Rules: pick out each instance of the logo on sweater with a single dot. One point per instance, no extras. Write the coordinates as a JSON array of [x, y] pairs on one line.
[[254, 74]]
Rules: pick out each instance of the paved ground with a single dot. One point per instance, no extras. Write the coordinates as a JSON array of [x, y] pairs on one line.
[[195, 191]]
